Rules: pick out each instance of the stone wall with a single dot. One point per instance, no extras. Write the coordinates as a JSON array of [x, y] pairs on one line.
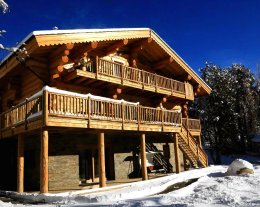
[[64, 172], [123, 165]]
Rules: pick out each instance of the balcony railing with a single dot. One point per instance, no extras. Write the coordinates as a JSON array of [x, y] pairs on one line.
[[65, 104], [134, 75], [192, 124]]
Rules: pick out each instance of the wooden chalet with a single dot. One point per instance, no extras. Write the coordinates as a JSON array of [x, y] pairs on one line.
[[88, 106]]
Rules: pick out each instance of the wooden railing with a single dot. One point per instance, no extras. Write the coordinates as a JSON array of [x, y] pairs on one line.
[[192, 124], [138, 76], [91, 108], [22, 113], [194, 146]]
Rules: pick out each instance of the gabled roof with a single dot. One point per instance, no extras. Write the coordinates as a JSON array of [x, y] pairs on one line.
[[58, 37]]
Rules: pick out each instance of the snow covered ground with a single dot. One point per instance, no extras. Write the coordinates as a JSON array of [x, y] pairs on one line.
[[213, 188]]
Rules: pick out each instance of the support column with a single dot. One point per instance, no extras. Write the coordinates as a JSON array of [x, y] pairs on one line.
[[185, 163], [20, 164], [143, 157], [92, 166], [44, 160], [101, 159], [176, 153]]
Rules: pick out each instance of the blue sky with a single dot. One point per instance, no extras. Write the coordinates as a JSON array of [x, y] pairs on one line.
[[218, 31]]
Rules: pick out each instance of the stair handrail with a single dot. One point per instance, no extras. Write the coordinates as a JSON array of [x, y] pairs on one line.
[[199, 148]]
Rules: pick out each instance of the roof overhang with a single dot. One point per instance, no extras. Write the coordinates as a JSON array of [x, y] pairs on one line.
[[58, 37]]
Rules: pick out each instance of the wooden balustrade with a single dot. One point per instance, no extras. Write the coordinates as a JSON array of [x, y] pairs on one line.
[[194, 145], [22, 113], [138, 76], [80, 107], [54, 104], [193, 124]]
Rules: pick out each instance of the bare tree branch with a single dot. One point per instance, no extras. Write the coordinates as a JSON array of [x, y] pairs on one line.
[[4, 6]]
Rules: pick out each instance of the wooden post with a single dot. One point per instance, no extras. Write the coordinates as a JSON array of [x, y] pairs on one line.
[[97, 65], [176, 152], [26, 113], [123, 114], [92, 166], [138, 116], [45, 107], [143, 157], [20, 164], [101, 159], [44, 174], [89, 111], [185, 163]]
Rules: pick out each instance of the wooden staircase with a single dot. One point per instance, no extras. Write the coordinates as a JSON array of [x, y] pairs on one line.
[[191, 148], [159, 158]]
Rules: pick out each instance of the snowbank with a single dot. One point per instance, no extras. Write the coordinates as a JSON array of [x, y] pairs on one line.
[[213, 188], [237, 165]]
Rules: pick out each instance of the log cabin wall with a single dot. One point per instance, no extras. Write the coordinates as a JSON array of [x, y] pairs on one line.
[[19, 87]]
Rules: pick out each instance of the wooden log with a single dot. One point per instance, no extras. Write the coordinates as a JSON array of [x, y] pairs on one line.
[[80, 80], [101, 159], [83, 51], [140, 46], [44, 160], [36, 64], [116, 46], [20, 164], [57, 65], [45, 108], [163, 62], [92, 166], [119, 90], [176, 153], [143, 157], [61, 51]]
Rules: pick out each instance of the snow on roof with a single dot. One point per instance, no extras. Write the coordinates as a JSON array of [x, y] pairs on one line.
[[74, 31], [68, 31]]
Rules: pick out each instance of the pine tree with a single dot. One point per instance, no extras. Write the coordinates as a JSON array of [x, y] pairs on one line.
[[229, 113]]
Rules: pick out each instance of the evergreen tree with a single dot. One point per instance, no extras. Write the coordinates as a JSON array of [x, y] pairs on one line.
[[229, 114]]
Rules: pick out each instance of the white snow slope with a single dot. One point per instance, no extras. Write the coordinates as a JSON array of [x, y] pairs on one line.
[[213, 188]]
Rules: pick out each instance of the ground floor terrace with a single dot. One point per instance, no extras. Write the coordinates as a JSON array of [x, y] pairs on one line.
[[56, 159], [57, 139]]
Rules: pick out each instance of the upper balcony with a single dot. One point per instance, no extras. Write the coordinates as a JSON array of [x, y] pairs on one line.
[[117, 73]]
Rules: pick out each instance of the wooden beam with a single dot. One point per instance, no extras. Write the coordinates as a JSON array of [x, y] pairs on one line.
[[83, 51], [80, 80], [163, 62], [176, 153], [140, 46], [36, 64], [44, 162], [185, 77], [20, 164], [101, 159], [71, 87], [92, 166], [60, 57], [143, 157], [70, 76], [57, 65], [116, 46], [61, 51]]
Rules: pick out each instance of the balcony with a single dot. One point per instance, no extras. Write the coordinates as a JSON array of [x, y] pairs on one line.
[[116, 73], [193, 125], [58, 108]]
